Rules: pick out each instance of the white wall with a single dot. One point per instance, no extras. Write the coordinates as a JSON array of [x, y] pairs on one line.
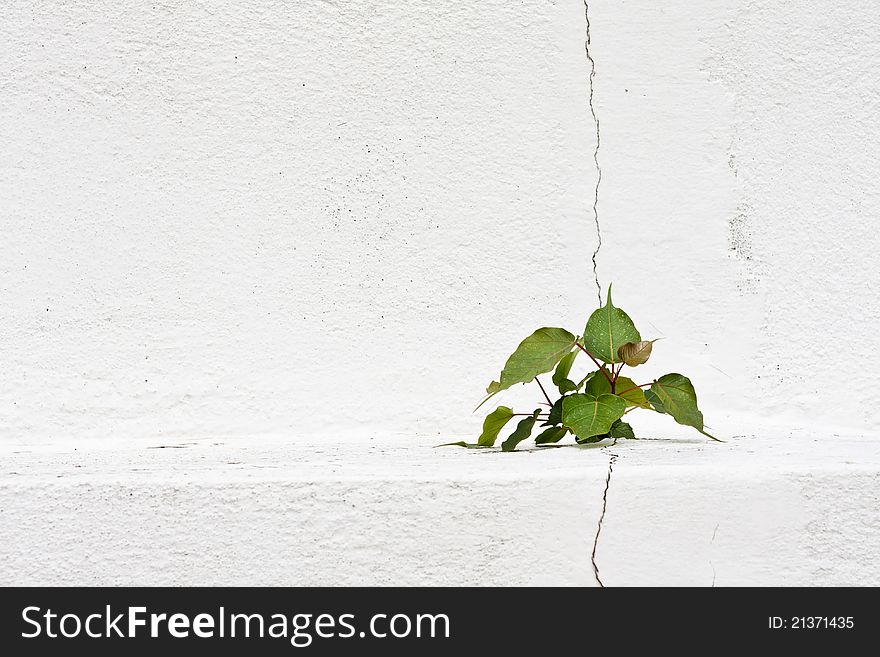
[[741, 148], [332, 219]]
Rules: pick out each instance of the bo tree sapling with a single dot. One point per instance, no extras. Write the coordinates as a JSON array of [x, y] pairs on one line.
[[593, 408]]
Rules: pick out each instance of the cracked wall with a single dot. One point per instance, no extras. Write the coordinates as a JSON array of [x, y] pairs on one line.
[[225, 222], [736, 204], [612, 459], [595, 153], [207, 231]]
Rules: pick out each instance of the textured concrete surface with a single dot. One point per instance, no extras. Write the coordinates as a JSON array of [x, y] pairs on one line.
[[223, 218], [738, 159], [788, 510], [219, 218], [272, 225]]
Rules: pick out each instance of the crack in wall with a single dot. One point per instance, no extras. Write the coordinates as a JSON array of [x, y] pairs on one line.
[[596, 274], [602, 518], [595, 154], [712, 565]]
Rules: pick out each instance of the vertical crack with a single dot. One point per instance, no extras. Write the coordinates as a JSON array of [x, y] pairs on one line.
[[712, 565], [596, 272], [595, 153], [602, 518]]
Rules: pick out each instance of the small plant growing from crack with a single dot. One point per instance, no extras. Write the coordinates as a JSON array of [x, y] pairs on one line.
[[592, 409]]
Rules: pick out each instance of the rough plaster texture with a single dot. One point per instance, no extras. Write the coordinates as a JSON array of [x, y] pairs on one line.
[[213, 214], [225, 218], [278, 224], [739, 151], [381, 512]]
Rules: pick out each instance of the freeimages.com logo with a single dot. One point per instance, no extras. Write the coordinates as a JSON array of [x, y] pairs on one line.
[[299, 629]]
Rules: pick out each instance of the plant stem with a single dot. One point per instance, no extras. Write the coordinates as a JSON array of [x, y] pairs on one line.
[[601, 367], [615, 374], [538, 381]]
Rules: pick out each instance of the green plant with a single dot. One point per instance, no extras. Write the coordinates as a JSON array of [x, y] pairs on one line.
[[592, 409]]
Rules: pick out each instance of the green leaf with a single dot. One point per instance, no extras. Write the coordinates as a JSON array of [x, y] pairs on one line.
[[633, 395], [621, 429], [598, 384], [462, 443], [560, 376], [607, 330], [677, 395], [555, 416], [523, 430], [584, 380], [493, 423], [538, 353], [551, 435], [591, 439], [491, 390], [654, 400], [636, 353], [589, 416]]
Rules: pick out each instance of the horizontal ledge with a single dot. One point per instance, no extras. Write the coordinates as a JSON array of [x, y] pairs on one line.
[[756, 510], [249, 460]]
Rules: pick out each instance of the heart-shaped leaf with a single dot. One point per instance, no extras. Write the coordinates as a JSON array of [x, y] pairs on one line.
[[607, 330], [598, 384], [654, 400], [538, 353], [635, 353], [493, 424], [619, 429], [589, 416], [628, 389], [555, 416], [678, 398], [523, 430], [551, 435], [560, 376]]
